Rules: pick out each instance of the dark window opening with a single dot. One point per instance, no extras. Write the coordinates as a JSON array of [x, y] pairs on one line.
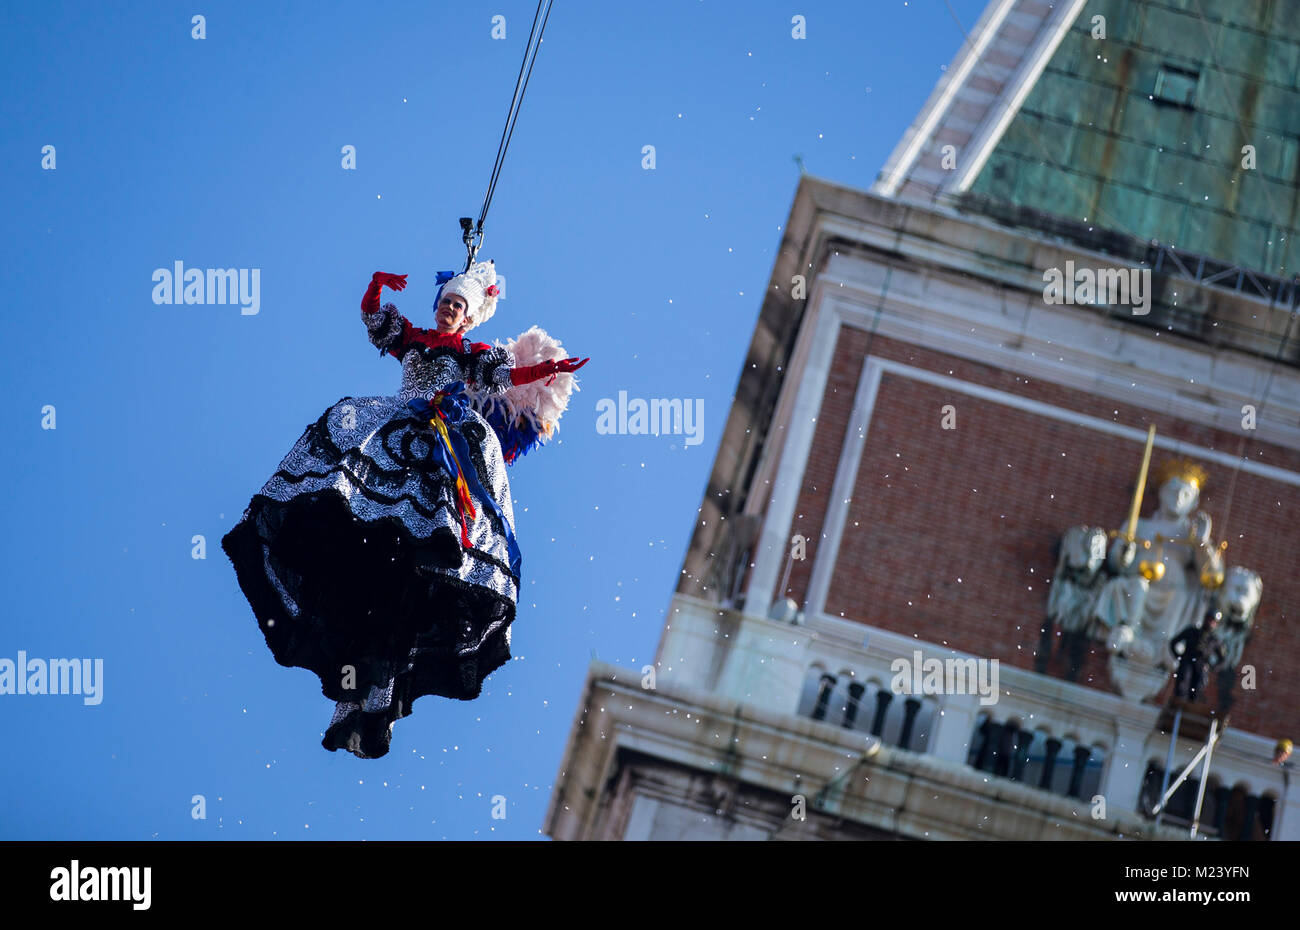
[[1177, 86]]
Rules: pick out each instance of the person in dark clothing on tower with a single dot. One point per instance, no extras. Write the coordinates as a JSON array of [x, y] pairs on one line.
[[1196, 649]]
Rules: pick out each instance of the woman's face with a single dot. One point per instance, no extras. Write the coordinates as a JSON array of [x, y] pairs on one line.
[[451, 313]]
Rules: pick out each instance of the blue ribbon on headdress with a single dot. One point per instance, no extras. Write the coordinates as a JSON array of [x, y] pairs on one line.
[[443, 278], [451, 406]]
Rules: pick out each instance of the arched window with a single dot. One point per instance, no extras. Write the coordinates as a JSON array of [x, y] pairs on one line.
[[1035, 758], [1063, 766], [903, 721], [1231, 813], [1090, 781], [1267, 811], [815, 694], [978, 738], [927, 713], [1181, 806]]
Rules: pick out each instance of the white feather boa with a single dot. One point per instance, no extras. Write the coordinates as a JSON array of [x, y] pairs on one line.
[[540, 404]]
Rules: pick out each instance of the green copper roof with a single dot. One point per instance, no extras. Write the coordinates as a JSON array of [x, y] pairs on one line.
[[1142, 132]]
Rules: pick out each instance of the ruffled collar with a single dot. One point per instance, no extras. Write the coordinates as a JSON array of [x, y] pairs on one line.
[[431, 337]]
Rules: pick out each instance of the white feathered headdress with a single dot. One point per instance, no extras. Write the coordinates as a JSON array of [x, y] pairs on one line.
[[479, 288]]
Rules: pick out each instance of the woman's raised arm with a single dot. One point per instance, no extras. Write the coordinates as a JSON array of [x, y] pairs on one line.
[[387, 329]]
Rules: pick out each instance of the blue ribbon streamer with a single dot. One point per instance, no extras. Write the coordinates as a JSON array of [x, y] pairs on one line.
[[443, 278], [455, 406]]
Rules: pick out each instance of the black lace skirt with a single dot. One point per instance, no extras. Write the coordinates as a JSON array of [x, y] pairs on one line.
[[352, 558]]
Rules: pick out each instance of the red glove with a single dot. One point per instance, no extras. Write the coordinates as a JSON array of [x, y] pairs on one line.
[[378, 281], [529, 373]]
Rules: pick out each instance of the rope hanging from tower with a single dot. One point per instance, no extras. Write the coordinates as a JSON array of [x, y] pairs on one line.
[[471, 232]]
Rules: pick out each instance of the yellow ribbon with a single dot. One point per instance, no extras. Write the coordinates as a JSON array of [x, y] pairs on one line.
[[462, 488]]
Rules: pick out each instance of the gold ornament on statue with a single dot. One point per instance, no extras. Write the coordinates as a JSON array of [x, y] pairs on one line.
[[1212, 577], [1185, 469], [1151, 570]]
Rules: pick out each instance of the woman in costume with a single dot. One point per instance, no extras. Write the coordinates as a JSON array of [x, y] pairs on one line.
[[381, 554]]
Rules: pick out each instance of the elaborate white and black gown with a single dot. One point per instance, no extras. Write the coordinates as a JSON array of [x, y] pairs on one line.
[[367, 562]]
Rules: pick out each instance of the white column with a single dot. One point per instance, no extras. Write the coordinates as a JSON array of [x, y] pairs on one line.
[[1125, 767], [954, 723], [774, 544], [765, 665]]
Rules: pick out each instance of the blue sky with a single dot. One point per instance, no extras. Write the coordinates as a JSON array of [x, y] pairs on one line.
[[225, 153]]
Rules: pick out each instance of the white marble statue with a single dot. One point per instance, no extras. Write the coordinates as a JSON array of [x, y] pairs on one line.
[[1238, 600], [1074, 587], [1144, 606]]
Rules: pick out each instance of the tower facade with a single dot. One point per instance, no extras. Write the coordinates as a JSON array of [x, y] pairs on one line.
[[920, 601]]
